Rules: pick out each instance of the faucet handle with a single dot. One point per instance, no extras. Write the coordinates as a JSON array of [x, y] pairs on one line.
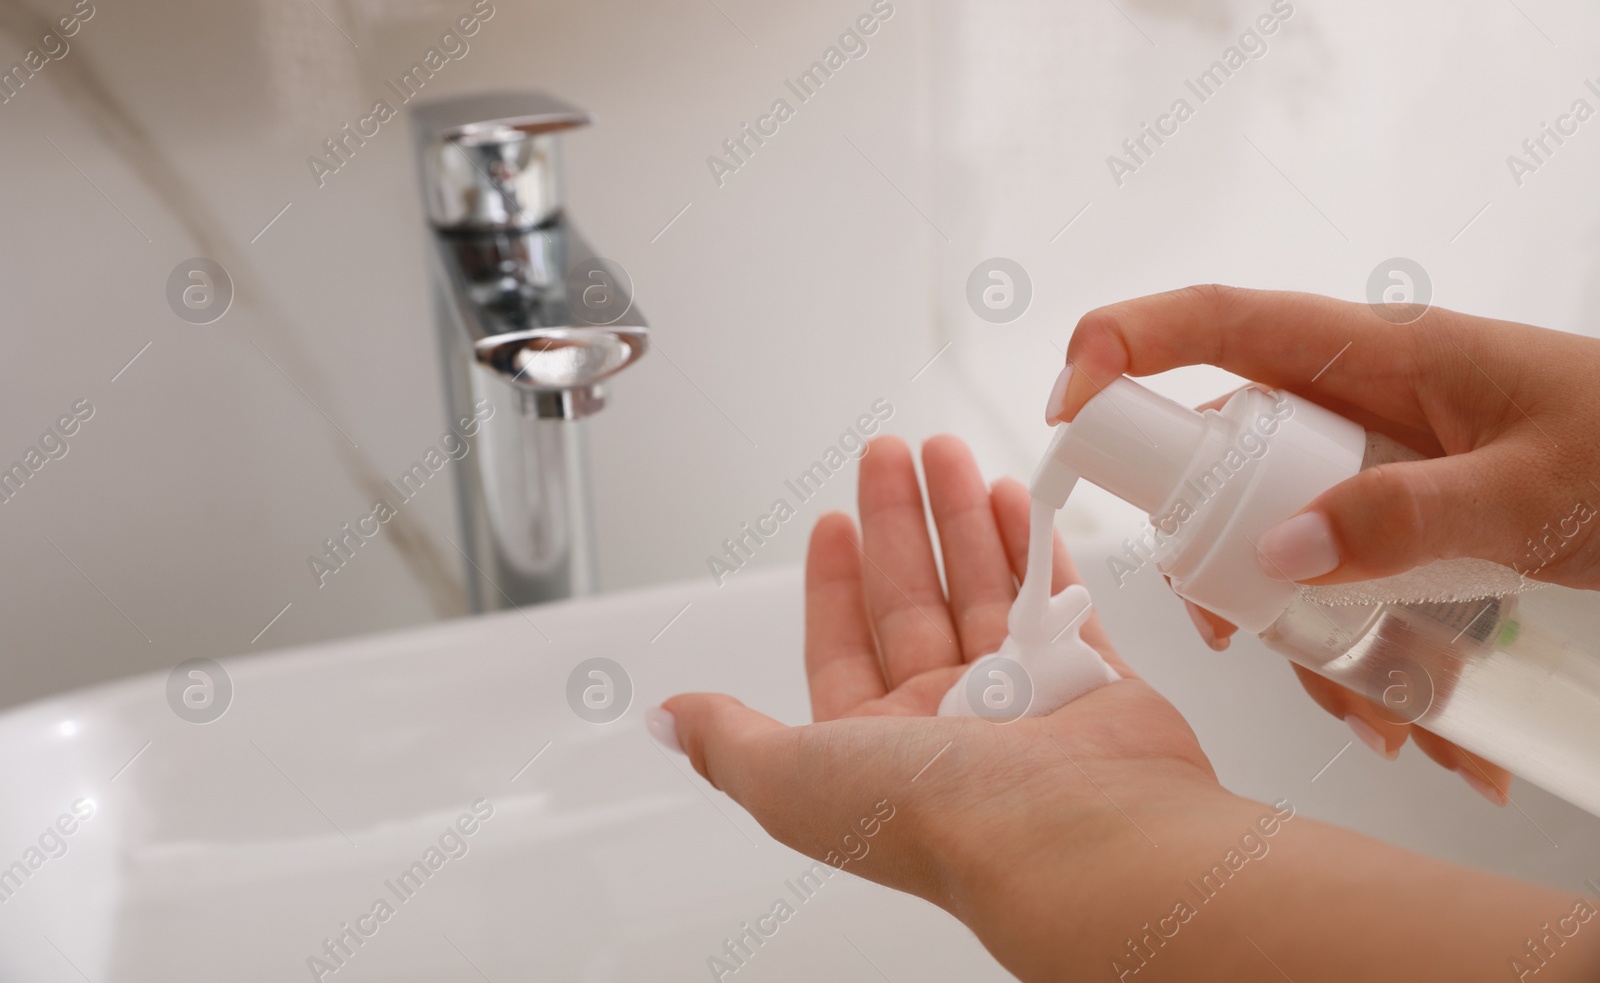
[[491, 161]]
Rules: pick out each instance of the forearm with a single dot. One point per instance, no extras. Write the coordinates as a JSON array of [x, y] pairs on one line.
[[1203, 893]]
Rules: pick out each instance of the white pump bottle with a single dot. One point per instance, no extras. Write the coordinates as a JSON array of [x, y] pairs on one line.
[[1463, 649]]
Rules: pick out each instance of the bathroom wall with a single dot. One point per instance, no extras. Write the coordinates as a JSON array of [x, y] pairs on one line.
[[828, 272], [786, 300]]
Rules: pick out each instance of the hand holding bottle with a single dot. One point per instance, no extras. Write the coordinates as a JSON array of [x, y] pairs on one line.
[[1501, 411]]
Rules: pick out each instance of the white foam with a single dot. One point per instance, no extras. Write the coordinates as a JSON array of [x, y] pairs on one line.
[[1047, 665]]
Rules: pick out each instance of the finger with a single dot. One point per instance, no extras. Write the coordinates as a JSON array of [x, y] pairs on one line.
[[1012, 505], [746, 754], [1215, 631], [1324, 348], [975, 564], [1384, 736], [841, 658], [904, 594], [1489, 780], [1390, 518]]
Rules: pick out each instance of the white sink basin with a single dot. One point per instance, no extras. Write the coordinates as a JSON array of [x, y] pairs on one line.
[[232, 850]]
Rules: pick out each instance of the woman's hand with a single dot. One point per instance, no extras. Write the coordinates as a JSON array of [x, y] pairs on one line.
[[1091, 843], [1503, 411], [973, 803]]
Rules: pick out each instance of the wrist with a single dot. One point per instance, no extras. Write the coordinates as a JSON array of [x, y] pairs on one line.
[[1062, 879]]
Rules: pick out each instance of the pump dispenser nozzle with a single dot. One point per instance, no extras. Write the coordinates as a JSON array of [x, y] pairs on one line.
[[1130, 441]]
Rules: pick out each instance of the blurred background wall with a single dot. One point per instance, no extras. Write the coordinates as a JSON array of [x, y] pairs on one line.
[[827, 273]]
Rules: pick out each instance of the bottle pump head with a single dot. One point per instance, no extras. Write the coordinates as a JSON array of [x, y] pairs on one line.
[[1212, 482], [1130, 441]]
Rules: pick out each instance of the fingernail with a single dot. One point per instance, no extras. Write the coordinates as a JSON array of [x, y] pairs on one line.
[[1299, 548], [1208, 634], [1481, 785], [1055, 408], [1370, 737], [663, 726]]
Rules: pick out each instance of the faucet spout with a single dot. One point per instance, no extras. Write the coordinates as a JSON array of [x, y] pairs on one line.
[[533, 323]]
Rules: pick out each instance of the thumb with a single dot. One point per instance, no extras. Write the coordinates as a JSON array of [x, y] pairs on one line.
[[1393, 517], [744, 753]]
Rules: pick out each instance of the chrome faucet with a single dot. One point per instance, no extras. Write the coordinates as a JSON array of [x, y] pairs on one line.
[[531, 325]]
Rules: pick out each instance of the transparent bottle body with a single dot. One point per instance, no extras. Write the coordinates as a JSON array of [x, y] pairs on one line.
[[1520, 685], [1514, 679]]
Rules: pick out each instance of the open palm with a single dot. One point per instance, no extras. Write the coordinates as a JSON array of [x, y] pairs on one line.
[[884, 641], [883, 634]]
